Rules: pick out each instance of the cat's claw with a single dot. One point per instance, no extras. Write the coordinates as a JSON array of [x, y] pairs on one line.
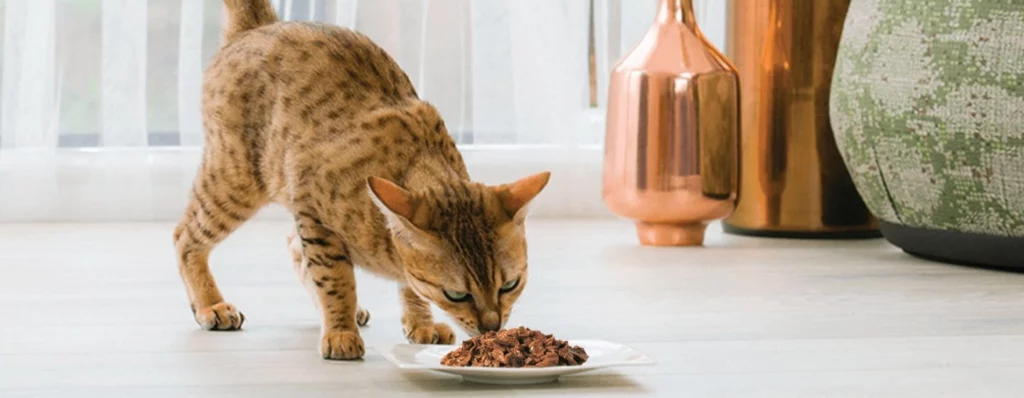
[[362, 317], [220, 316], [344, 345], [437, 333]]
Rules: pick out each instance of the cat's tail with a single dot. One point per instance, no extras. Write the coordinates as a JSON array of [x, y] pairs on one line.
[[245, 15]]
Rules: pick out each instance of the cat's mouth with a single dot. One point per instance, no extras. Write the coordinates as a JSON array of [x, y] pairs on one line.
[[470, 329], [474, 330]]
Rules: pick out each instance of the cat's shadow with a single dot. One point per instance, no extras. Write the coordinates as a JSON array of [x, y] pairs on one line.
[[609, 382]]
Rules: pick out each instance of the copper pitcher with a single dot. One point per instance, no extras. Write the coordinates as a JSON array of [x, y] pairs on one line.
[[793, 181], [671, 144]]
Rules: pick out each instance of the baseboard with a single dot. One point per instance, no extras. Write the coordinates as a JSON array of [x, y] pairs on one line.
[[151, 184]]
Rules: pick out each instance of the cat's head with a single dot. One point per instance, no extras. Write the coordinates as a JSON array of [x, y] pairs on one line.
[[463, 245]]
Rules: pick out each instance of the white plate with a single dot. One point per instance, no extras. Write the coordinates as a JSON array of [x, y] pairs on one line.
[[602, 354]]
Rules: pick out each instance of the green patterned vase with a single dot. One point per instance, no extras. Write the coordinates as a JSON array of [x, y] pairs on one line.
[[927, 106]]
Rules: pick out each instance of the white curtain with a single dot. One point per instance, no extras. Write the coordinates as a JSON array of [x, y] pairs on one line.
[[127, 73]]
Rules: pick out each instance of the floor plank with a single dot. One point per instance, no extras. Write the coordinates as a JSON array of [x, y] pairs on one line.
[[97, 310]]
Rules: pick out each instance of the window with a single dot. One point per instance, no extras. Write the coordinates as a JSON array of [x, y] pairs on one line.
[[127, 73]]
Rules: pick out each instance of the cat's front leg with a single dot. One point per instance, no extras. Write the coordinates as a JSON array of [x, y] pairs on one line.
[[326, 262], [418, 322], [309, 281]]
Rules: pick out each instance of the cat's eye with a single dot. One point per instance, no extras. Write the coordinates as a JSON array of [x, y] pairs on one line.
[[457, 297], [510, 285]]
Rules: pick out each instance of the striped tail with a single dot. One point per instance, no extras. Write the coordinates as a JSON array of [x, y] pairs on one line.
[[245, 15]]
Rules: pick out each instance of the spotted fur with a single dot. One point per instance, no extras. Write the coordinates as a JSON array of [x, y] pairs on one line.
[[319, 119]]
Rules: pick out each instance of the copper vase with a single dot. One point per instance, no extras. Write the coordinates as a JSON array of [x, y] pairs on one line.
[[793, 181], [671, 145]]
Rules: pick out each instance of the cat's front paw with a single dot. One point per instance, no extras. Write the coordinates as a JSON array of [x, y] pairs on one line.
[[343, 345], [220, 316], [436, 333]]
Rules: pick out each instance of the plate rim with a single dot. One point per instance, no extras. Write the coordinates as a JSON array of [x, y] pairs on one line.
[[388, 353]]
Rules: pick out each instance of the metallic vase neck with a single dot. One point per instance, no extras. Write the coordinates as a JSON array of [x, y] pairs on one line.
[[677, 11]]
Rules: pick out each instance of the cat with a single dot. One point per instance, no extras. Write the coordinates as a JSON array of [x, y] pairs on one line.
[[321, 120]]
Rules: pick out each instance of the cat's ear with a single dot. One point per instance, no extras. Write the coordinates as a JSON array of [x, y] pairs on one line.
[[391, 198], [401, 209], [517, 195]]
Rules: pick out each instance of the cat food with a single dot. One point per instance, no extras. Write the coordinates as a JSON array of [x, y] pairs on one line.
[[515, 348]]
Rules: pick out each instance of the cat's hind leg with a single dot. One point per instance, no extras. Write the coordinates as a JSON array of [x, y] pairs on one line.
[[221, 200]]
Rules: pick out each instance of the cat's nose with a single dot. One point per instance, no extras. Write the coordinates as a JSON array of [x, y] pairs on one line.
[[489, 322]]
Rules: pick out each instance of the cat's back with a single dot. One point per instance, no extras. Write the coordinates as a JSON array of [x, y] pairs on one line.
[[310, 58], [300, 92]]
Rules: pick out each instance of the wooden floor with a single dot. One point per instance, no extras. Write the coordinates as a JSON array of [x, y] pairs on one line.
[[96, 310]]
